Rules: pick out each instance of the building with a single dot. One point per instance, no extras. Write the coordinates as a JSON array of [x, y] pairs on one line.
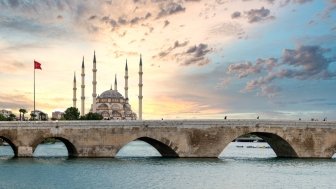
[[56, 115], [111, 104], [5, 113], [41, 116]]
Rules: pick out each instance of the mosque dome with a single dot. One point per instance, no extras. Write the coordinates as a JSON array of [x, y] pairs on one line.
[[111, 94]]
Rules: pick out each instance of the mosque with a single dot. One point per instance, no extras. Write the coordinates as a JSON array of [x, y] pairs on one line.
[[111, 104]]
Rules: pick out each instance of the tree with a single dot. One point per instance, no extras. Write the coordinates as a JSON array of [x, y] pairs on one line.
[[23, 113], [43, 116], [93, 116], [11, 117], [20, 110], [32, 116], [71, 113], [2, 118]]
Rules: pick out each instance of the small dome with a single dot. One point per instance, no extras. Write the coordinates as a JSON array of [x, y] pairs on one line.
[[111, 94]]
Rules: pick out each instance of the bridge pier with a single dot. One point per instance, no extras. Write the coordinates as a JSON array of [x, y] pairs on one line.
[[24, 151]]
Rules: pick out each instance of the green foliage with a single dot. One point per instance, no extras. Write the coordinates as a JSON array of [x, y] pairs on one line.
[[2, 118], [71, 113], [43, 116], [93, 116], [23, 111], [32, 116], [11, 117]]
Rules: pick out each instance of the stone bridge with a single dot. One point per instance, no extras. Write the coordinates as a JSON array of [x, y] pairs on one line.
[[172, 138]]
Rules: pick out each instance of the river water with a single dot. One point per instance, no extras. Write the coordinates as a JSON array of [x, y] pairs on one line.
[[138, 165]]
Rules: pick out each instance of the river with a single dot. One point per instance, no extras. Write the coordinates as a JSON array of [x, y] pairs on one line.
[[138, 165]]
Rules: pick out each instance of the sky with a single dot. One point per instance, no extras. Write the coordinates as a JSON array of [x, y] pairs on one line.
[[202, 59]]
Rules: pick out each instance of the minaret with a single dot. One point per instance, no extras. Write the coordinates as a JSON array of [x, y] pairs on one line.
[[115, 83], [126, 81], [94, 83], [140, 88], [82, 113], [74, 99]]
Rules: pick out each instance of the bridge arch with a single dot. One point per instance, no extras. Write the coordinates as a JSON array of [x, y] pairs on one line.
[[164, 147], [279, 145], [330, 151], [72, 151], [11, 144]]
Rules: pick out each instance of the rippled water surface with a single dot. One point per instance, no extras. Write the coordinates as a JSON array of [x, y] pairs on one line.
[[241, 165]]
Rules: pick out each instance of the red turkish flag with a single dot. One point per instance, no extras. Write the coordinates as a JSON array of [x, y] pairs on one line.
[[37, 65]]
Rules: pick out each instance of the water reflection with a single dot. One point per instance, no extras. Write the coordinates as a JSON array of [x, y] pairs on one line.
[[138, 149], [54, 149], [6, 152], [248, 150]]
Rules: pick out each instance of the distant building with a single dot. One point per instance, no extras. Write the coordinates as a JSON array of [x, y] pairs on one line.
[[111, 104], [57, 115], [40, 115], [5, 113]]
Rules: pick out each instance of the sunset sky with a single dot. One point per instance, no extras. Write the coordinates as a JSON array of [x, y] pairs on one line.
[[201, 58]]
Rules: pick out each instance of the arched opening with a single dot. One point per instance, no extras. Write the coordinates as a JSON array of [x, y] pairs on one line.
[[116, 115], [7, 148], [146, 147], [55, 147], [102, 107], [105, 115], [258, 145], [331, 152]]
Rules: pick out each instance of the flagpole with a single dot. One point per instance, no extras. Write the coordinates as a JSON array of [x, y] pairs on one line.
[[34, 86]]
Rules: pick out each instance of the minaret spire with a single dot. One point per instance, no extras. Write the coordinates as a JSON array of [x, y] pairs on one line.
[[94, 83], [126, 81], [82, 113], [74, 99], [140, 88], [115, 82]]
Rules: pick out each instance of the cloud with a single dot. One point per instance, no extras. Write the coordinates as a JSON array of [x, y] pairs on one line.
[[302, 63], [247, 68], [310, 60], [301, 1], [258, 15], [166, 23], [286, 2], [196, 55], [123, 20], [228, 29], [329, 9], [193, 55], [169, 9], [11, 66], [21, 101], [177, 44], [270, 1], [236, 14]]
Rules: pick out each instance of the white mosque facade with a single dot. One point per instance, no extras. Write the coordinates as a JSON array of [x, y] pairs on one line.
[[111, 104]]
